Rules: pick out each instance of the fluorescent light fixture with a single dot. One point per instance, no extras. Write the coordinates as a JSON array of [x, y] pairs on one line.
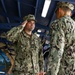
[[38, 35], [2, 72], [46, 7], [38, 30]]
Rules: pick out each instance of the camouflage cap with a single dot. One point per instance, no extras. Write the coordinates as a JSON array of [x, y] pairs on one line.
[[65, 4], [29, 17]]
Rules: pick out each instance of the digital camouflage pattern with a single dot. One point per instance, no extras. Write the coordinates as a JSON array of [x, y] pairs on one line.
[[29, 18], [65, 4], [62, 47], [29, 58]]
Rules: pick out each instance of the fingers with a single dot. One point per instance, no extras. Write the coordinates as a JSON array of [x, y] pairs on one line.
[[24, 23]]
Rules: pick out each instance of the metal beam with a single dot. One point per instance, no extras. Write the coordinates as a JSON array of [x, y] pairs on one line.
[[27, 4], [72, 1], [51, 14], [53, 10], [11, 17], [5, 10], [36, 7], [19, 19], [19, 10], [7, 26], [46, 28]]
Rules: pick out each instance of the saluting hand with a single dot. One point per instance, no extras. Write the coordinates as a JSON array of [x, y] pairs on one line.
[[24, 23]]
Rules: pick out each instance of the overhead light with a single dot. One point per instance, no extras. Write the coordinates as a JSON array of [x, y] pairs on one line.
[[1, 72], [38, 35], [38, 30], [45, 8]]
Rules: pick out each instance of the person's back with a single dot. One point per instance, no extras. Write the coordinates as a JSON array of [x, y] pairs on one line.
[[67, 65], [62, 42]]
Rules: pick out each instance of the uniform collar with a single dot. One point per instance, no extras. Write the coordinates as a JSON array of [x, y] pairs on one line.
[[28, 36]]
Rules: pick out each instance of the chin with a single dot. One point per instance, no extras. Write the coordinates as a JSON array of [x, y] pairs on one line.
[[31, 29]]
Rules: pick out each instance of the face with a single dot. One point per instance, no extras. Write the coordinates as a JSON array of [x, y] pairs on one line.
[[30, 25]]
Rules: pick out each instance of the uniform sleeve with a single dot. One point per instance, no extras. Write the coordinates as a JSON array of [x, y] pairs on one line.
[[57, 43], [41, 59], [13, 34]]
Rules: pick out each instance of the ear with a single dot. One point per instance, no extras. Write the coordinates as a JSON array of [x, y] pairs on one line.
[[70, 14], [60, 9]]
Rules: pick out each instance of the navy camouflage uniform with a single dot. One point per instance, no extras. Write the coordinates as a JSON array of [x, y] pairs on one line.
[[62, 46], [29, 58]]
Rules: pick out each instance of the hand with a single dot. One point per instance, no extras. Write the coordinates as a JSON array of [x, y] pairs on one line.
[[41, 73], [24, 23], [9, 72]]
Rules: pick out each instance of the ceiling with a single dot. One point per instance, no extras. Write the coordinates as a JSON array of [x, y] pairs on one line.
[[13, 11]]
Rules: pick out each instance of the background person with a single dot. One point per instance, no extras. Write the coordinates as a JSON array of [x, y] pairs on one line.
[[62, 42]]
